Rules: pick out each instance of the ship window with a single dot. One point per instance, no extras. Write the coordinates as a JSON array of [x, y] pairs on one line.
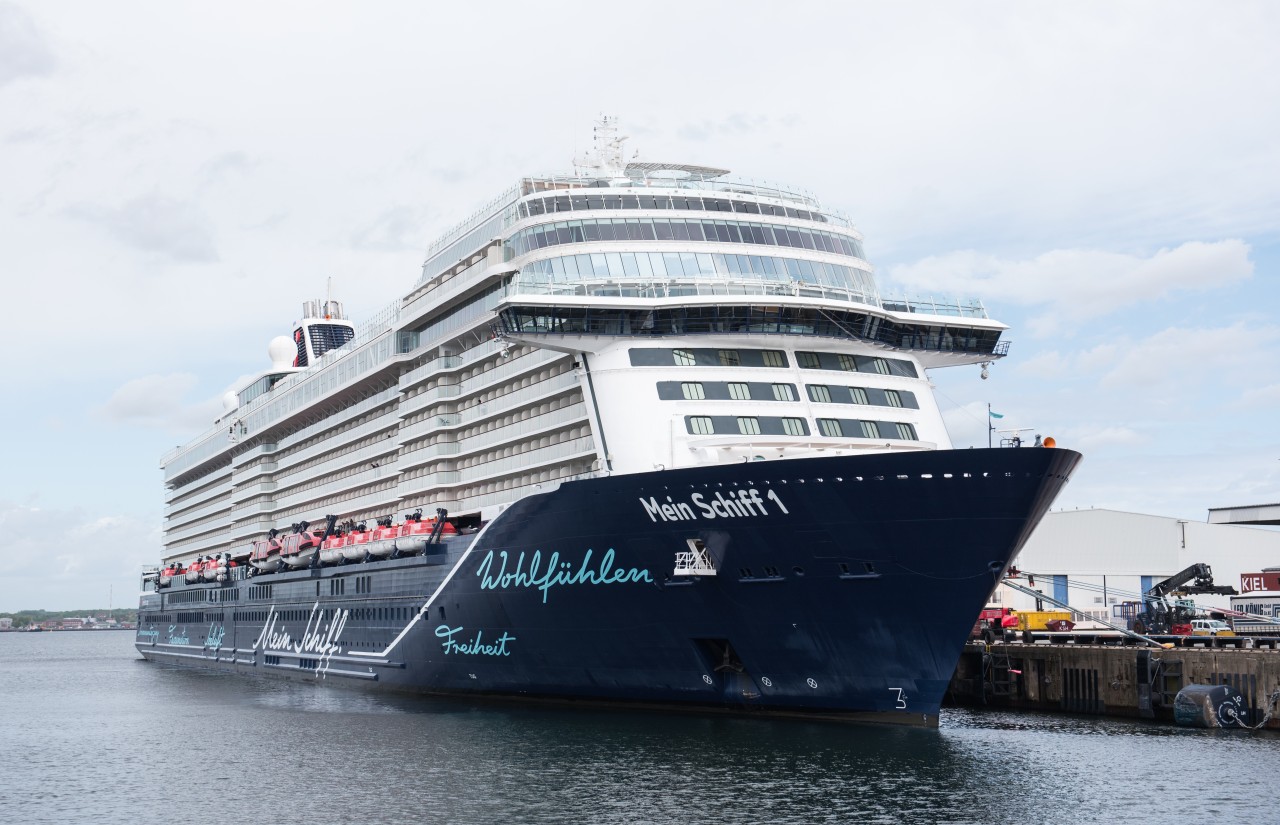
[[907, 432], [869, 429], [692, 390], [749, 426], [848, 363], [830, 427], [893, 398], [880, 365], [859, 395], [808, 360], [774, 358], [700, 425], [739, 391], [683, 358], [784, 392], [793, 426], [730, 358], [820, 393]]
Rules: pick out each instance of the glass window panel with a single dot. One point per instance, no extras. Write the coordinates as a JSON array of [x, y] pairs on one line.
[[749, 426], [774, 358], [642, 264], [739, 391], [590, 231], [793, 267], [599, 266], [605, 228], [780, 237], [563, 233], [693, 390], [683, 357], [893, 398], [630, 202], [793, 236], [820, 393], [705, 265], [808, 360], [629, 266], [646, 230], [722, 266], [647, 202], [731, 229], [612, 201], [746, 206], [578, 202], [557, 267], [575, 232], [700, 425], [793, 426], [614, 261], [907, 432], [662, 229], [729, 358], [881, 366], [859, 395], [585, 267], [784, 392], [869, 429], [689, 262], [830, 427], [595, 201], [671, 260], [680, 231]]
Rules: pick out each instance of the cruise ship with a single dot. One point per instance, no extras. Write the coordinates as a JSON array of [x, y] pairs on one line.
[[640, 434]]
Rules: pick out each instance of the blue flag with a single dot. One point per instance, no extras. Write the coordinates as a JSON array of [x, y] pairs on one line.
[[995, 414]]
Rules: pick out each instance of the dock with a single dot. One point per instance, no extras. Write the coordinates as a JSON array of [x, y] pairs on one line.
[[1105, 676]]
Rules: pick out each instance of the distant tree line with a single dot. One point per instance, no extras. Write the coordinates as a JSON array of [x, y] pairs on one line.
[[27, 617]]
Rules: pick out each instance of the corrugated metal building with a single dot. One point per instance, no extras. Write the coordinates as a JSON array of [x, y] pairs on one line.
[[1096, 559]]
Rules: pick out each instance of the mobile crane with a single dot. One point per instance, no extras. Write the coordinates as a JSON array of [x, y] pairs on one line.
[[1157, 614]]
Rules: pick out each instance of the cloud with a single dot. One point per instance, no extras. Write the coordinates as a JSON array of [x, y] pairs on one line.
[[156, 401], [98, 557], [1077, 284], [23, 52], [397, 229], [175, 229]]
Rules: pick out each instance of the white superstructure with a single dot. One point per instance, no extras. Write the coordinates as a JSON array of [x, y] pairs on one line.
[[626, 317]]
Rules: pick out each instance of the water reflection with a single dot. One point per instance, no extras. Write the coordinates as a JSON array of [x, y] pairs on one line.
[[107, 738]]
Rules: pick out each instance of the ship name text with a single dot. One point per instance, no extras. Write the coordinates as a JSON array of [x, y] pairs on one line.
[[745, 504]]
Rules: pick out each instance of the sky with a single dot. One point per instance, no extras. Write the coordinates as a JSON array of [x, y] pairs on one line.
[[176, 178]]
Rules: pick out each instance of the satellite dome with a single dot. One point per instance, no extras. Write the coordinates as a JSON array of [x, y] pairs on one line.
[[281, 351], [230, 401]]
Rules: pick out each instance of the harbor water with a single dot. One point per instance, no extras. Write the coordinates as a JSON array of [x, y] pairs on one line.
[[91, 733]]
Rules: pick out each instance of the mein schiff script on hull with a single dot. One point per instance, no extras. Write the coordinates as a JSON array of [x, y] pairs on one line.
[[641, 434]]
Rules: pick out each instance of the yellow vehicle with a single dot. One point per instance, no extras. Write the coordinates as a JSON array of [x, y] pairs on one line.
[[1054, 620]]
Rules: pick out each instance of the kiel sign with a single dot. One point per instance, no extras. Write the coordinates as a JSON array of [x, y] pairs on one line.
[[1251, 582]]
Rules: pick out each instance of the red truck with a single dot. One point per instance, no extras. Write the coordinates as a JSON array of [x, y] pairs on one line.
[[993, 622]]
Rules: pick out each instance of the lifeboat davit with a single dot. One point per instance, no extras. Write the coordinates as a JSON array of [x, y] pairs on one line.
[[214, 570], [193, 572], [331, 549], [265, 555], [382, 544], [356, 542], [416, 532], [165, 578], [298, 549]]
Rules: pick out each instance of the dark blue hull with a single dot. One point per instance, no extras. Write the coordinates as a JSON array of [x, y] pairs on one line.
[[843, 586]]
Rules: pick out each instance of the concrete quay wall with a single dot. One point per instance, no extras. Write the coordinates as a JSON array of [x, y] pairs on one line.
[[1112, 680]]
